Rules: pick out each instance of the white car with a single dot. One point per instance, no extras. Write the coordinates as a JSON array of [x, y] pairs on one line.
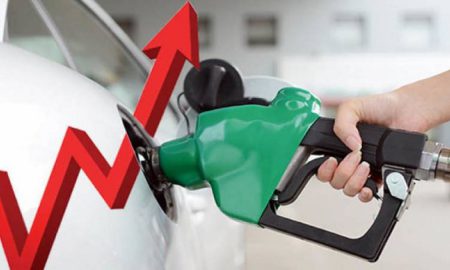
[[66, 63]]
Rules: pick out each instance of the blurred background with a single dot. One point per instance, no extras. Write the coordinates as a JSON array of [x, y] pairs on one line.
[[336, 49]]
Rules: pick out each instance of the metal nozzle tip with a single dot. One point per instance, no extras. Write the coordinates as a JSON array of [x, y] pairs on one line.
[[443, 166]]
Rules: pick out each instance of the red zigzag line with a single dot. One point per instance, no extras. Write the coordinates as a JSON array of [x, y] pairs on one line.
[[31, 250], [25, 251], [175, 43]]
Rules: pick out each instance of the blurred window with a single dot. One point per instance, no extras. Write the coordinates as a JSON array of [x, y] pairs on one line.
[[99, 55], [348, 31], [96, 52], [128, 25], [27, 30], [261, 31], [204, 31], [417, 32]]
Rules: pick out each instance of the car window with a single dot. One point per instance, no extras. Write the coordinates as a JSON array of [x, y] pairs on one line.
[[93, 49], [96, 52], [27, 30]]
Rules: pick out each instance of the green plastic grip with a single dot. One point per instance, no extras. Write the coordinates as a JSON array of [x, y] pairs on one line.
[[242, 151]]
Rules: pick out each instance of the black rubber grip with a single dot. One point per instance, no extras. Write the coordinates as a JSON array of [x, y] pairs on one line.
[[380, 145]]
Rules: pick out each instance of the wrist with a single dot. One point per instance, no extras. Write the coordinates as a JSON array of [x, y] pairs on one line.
[[423, 101]]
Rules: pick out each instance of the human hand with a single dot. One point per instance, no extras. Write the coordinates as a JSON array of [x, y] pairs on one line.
[[409, 108]]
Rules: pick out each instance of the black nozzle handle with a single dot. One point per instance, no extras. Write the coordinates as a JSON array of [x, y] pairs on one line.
[[380, 145], [369, 246], [302, 175]]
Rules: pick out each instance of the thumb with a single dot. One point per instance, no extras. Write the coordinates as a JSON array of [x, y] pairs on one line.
[[345, 125]]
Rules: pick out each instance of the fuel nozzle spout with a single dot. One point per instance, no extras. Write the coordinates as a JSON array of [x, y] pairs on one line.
[[241, 151], [181, 163]]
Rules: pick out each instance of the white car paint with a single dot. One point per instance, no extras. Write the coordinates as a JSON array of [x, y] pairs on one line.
[[140, 236], [38, 101]]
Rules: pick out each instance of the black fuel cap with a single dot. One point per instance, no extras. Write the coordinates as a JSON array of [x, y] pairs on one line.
[[217, 84]]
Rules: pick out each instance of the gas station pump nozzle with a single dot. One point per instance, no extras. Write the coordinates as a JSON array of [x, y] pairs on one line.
[[244, 152]]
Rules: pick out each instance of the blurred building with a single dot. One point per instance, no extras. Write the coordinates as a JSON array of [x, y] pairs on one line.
[[338, 49], [255, 33]]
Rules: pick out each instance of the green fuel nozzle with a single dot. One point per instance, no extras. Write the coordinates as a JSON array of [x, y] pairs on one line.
[[255, 159], [242, 151]]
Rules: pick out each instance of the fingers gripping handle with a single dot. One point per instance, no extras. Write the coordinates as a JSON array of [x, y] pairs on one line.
[[380, 145], [301, 176]]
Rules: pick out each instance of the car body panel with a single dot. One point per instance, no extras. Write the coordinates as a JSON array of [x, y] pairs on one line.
[[38, 101], [142, 237]]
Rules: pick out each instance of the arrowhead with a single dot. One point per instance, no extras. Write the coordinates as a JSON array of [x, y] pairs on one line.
[[179, 34]]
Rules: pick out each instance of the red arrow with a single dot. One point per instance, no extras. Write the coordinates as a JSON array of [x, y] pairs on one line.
[[175, 43]]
